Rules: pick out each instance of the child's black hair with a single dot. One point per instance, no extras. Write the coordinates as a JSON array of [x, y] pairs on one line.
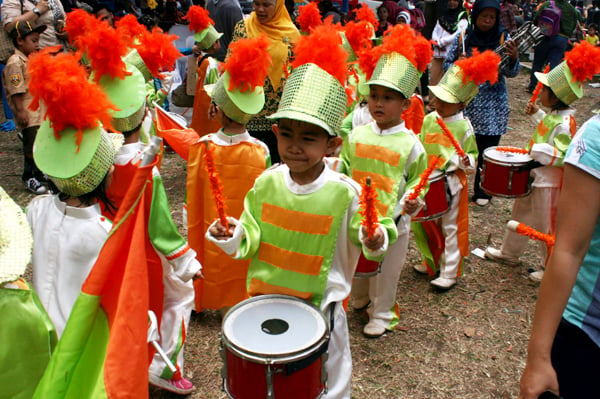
[[132, 131], [593, 25]]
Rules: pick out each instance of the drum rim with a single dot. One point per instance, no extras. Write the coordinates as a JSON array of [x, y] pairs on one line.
[[504, 162], [282, 358]]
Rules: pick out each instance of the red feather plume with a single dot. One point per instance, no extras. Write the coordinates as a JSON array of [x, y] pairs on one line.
[[158, 51], [367, 60], [71, 99], [480, 68], [323, 47], [248, 63], [368, 207], [309, 17], [105, 59], [77, 25], [359, 35], [129, 28], [364, 13], [583, 61], [423, 52], [199, 19]]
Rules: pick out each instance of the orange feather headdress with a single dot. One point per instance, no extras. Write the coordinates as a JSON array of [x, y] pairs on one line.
[[480, 68], [129, 28], [364, 13], [309, 17], [158, 51], [71, 100], [77, 25], [583, 61], [198, 18], [248, 63]]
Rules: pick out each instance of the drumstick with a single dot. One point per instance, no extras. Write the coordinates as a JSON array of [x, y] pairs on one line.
[[513, 150], [368, 209], [433, 164], [450, 136], [216, 185], [525, 230], [538, 88]]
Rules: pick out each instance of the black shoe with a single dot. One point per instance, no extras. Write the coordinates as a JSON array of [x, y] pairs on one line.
[[33, 185]]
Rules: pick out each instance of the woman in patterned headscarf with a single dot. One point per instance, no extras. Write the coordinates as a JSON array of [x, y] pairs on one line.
[[270, 18]]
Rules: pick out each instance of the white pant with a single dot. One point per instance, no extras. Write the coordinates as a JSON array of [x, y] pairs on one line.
[[381, 289], [451, 258], [537, 210], [339, 363], [177, 308]]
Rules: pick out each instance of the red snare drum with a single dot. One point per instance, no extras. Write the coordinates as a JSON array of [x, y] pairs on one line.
[[436, 199], [274, 346], [366, 268], [504, 174]]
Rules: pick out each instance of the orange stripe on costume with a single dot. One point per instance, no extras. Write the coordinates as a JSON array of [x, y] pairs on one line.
[[258, 287], [302, 222], [377, 153], [280, 258], [179, 253], [381, 182], [438, 138]]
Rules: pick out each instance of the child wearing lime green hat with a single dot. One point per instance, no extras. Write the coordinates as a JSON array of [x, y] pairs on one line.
[[393, 157], [561, 87], [456, 89], [170, 255], [239, 160], [290, 210], [206, 45]]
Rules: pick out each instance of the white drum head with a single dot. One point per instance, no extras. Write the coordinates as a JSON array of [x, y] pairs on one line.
[[506, 157], [274, 326]]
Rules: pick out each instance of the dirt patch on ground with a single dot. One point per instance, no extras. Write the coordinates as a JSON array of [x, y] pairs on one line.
[[469, 342]]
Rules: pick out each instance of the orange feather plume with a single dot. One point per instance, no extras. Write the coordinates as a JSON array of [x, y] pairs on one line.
[[514, 150], [364, 13], [199, 19], [359, 35], [434, 162], [423, 52], [450, 136], [129, 28], [538, 88], [105, 59], [323, 47], [77, 25], [583, 61], [368, 207], [248, 63], [309, 17], [530, 232], [71, 100], [216, 186], [158, 51], [480, 68]]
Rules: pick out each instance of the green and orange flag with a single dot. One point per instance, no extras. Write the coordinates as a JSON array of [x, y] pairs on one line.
[[103, 352]]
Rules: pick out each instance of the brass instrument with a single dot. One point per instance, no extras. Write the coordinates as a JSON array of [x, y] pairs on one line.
[[527, 36]]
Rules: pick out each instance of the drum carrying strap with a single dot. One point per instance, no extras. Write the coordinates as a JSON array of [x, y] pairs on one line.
[[307, 361]]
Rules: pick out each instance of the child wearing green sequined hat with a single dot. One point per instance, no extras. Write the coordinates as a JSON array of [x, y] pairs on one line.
[[562, 86], [302, 209], [394, 158], [448, 134]]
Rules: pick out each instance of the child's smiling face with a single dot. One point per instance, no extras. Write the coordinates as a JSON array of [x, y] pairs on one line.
[[302, 147]]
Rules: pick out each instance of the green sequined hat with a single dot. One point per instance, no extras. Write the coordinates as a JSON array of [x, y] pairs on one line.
[[133, 58], [404, 56], [239, 92], [313, 92], [205, 34], [71, 146], [566, 79]]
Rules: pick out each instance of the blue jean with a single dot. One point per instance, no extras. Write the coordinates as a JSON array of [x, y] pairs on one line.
[[550, 50]]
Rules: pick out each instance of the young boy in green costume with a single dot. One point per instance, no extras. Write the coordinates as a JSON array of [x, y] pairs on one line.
[[302, 209]]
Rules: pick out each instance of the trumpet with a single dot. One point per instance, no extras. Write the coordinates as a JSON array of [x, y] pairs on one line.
[[527, 36]]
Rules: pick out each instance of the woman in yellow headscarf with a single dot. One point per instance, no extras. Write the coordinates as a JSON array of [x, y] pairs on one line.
[[270, 18]]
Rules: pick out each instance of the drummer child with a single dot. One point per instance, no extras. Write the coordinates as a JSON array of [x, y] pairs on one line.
[[393, 157], [445, 242], [561, 87], [300, 225]]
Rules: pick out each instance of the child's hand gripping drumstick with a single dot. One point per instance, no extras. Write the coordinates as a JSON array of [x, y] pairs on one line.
[[216, 187], [368, 210], [461, 153], [525, 230], [411, 203]]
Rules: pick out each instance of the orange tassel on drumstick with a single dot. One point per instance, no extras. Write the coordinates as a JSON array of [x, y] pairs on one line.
[[450, 136], [538, 88], [424, 178], [368, 207], [528, 231], [216, 185], [514, 150]]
